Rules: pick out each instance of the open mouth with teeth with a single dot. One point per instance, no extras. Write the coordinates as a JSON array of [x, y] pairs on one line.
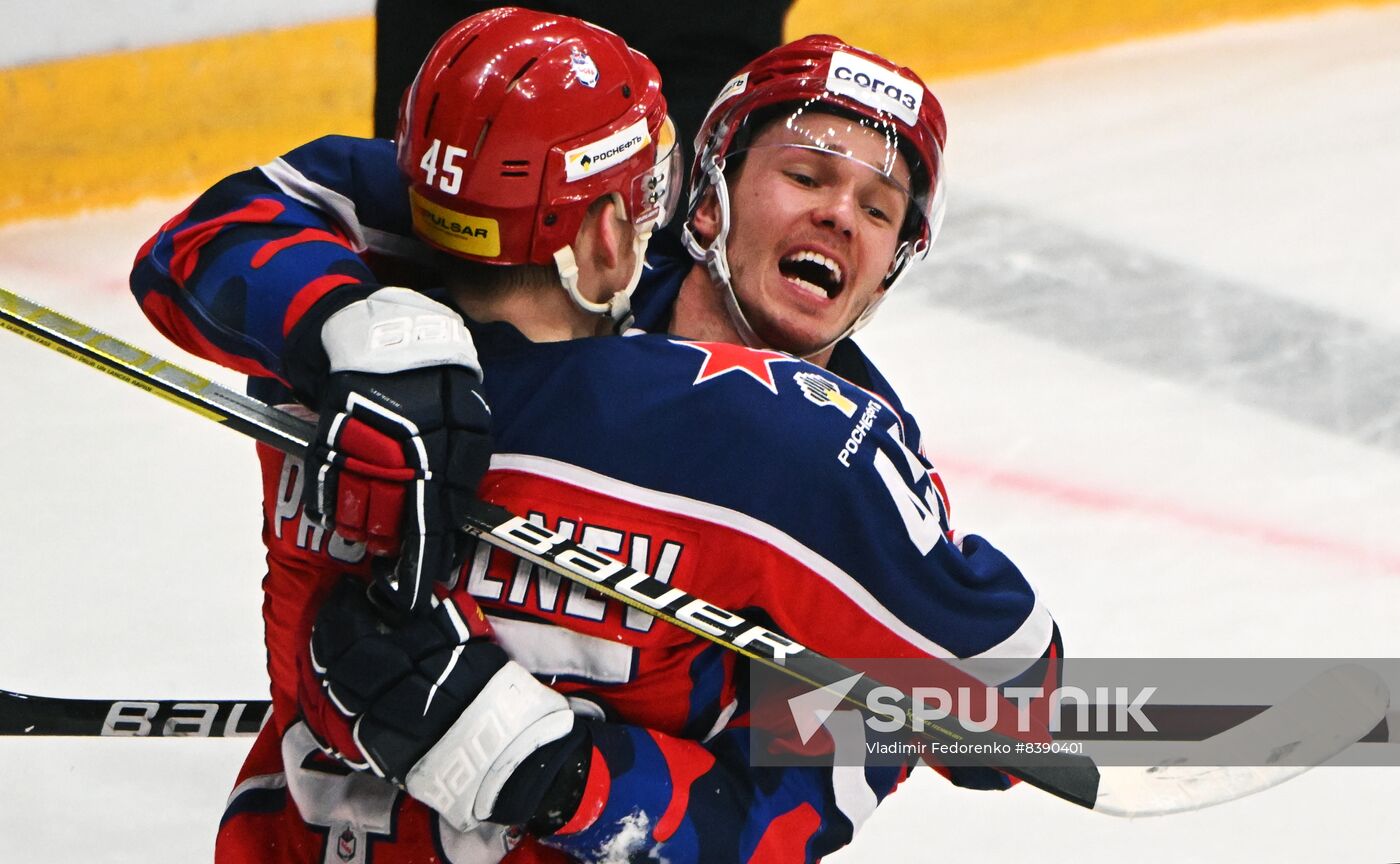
[[813, 272]]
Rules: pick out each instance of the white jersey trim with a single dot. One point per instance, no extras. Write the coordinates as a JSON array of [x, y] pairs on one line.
[[297, 185], [547, 650], [396, 245], [1028, 642], [850, 790], [260, 781]]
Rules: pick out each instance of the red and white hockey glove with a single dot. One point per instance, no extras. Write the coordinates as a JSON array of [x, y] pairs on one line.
[[434, 705], [403, 437]]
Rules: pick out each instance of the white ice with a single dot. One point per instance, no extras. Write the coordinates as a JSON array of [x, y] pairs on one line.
[[1161, 514]]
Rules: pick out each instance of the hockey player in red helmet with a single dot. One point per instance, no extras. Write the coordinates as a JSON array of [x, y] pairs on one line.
[[536, 150], [539, 158], [535, 127], [818, 178]]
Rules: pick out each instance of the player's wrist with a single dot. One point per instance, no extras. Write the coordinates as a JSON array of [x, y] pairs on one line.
[[545, 791]]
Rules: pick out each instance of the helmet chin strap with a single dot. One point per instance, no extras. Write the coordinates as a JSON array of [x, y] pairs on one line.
[[715, 257], [619, 306]]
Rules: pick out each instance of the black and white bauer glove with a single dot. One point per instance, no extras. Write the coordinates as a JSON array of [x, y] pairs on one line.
[[404, 433], [434, 705]]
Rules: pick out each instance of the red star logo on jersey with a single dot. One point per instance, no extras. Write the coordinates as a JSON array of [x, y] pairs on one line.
[[722, 357]]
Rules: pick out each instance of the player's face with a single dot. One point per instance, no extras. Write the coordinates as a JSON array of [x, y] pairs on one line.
[[813, 232]]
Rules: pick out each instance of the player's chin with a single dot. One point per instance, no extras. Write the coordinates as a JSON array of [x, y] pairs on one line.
[[797, 336], [797, 325]]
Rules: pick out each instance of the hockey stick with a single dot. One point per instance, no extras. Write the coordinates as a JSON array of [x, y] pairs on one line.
[[22, 714], [1073, 778], [25, 715]]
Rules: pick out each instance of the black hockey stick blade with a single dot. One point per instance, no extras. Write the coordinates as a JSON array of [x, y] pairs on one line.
[[25, 715]]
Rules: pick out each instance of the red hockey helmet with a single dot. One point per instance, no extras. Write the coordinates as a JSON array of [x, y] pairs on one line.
[[517, 122], [824, 74]]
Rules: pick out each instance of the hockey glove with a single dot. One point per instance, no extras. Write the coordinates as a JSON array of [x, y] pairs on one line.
[[436, 707], [403, 438]]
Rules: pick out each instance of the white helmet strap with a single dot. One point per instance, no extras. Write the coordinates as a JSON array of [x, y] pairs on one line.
[[618, 307], [715, 257]]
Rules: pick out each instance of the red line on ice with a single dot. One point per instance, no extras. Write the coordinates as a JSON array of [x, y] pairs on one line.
[[1109, 501]]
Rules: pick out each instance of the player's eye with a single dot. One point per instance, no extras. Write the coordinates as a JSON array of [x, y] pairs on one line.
[[802, 178], [883, 205]]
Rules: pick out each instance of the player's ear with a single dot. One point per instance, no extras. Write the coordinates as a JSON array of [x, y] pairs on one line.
[[603, 237], [704, 223], [614, 232], [603, 250]]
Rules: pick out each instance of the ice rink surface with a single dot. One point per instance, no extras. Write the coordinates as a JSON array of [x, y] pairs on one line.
[[1156, 354]]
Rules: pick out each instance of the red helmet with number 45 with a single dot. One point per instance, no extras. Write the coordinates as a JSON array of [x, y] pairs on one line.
[[823, 74], [517, 122]]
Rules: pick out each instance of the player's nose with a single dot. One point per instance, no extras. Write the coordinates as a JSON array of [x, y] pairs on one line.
[[837, 209]]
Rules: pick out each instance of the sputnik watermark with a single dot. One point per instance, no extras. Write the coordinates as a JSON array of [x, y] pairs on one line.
[[1129, 712], [937, 704], [891, 709]]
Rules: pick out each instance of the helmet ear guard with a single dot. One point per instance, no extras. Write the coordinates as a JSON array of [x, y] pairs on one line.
[[517, 122]]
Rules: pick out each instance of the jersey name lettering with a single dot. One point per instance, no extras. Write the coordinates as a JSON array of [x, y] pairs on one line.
[[598, 560], [309, 535]]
